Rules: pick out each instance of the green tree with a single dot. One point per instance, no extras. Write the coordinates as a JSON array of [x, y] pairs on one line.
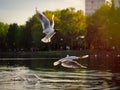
[[11, 35], [19, 37], [98, 28], [3, 33], [27, 35], [69, 22], [115, 27], [73, 25]]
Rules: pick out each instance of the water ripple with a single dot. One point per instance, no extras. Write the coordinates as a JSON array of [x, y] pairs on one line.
[[27, 79]]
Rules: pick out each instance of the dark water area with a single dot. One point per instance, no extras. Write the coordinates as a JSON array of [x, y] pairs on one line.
[[38, 73]]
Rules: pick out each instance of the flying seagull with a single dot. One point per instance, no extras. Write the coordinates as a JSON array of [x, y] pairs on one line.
[[47, 28], [69, 62]]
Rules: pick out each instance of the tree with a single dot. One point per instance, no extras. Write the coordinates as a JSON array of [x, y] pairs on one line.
[[115, 27], [98, 28], [103, 28], [72, 26], [19, 37], [3, 33], [11, 35], [69, 23], [27, 35]]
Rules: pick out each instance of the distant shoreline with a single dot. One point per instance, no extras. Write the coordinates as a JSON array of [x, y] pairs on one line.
[[55, 54]]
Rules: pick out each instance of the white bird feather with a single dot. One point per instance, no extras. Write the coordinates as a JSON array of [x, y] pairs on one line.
[[47, 28], [69, 62]]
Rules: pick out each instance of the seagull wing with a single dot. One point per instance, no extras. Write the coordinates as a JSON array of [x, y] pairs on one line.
[[85, 56], [59, 61], [45, 22], [53, 23], [73, 57], [72, 64]]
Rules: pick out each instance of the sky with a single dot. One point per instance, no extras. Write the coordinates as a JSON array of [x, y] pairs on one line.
[[19, 11]]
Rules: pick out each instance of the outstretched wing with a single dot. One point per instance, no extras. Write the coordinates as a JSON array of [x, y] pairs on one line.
[[45, 22], [72, 64], [53, 23], [85, 56], [73, 57]]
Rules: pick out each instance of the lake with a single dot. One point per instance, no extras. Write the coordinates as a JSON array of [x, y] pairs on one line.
[[35, 73]]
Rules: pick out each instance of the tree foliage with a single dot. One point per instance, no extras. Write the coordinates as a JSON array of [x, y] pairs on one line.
[[11, 36], [3, 34], [101, 30]]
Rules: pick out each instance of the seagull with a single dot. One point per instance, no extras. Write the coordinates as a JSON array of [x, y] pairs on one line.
[[47, 28], [69, 62]]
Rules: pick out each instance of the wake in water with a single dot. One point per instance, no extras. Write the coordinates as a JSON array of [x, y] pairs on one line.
[[25, 79]]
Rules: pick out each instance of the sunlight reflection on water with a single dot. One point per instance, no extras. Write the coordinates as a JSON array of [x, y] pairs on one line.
[[23, 78]]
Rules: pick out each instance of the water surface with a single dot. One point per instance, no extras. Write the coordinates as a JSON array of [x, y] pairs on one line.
[[40, 74]]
